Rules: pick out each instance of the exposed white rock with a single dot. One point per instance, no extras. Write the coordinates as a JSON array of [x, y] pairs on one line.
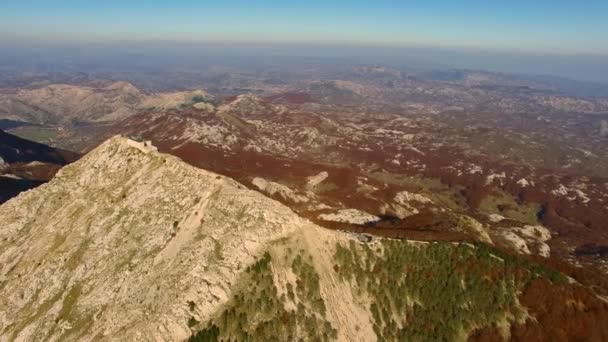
[[118, 242], [412, 148], [571, 194], [272, 188], [477, 228], [383, 131], [500, 177], [581, 195], [561, 190], [544, 250], [475, 169], [35, 163], [408, 137], [210, 135], [405, 197], [496, 218], [10, 175], [63, 102], [321, 206], [523, 183], [313, 181], [252, 147], [527, 239], [538, 233], [516, 242], [352, 216], [399, 210]]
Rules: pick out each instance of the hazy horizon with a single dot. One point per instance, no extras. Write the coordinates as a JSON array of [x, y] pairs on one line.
[[557, 38], [30, 53]]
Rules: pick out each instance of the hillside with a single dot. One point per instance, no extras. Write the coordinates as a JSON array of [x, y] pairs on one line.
[[425, 177], [66, 103], [25, 164], [131, 244], [14, 149]]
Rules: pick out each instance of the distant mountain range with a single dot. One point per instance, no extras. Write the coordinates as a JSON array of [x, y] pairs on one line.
[[62, 103], [86, 100]]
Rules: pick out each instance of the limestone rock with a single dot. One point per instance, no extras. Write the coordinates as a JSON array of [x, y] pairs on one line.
[[118, 242]]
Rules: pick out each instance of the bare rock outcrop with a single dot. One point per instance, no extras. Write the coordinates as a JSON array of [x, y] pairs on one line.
[[118, 243]]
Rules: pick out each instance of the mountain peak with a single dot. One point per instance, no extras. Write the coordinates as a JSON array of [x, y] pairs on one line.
[[131, 244], [128, 227]]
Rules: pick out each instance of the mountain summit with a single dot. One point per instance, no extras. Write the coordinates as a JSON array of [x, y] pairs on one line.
[[120, 241], [131, 244]]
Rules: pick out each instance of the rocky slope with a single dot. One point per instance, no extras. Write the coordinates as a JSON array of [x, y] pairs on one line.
[[466, 181], [118, 242], [64, 103], [131, 244]]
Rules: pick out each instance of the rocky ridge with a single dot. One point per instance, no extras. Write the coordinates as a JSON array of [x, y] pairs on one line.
[[120, 240], [131, 244]]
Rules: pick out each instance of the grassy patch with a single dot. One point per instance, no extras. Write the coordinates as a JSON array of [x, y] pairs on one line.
[[76, 257], [41, 310], [39, 134], [450, 196], [69, 302], [325, 187], [505, 204], [217, 250]]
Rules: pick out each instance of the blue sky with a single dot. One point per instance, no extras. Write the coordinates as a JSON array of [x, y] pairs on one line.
[[532, 25]]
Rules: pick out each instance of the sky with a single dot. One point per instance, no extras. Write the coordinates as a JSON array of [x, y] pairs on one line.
[[567, 38], [555, 26]]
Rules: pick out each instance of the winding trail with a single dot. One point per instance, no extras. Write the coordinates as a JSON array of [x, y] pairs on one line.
[[187, 227]]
